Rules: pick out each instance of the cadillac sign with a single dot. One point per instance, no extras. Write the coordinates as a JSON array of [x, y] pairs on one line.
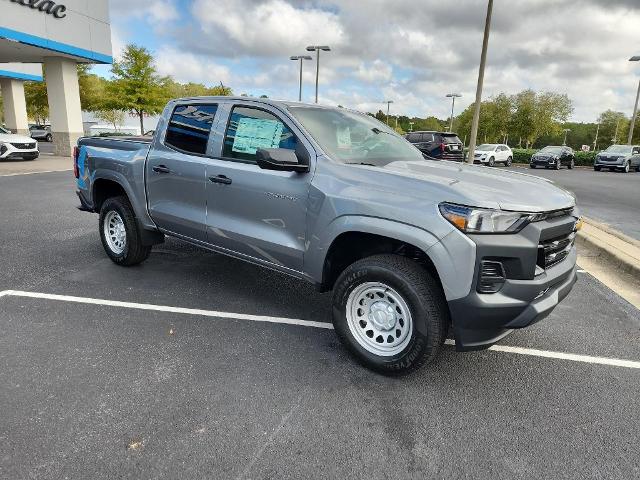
[[45, 6]]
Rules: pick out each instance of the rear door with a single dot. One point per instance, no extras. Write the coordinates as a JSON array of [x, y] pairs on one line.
[[176, 170], [258, 213]]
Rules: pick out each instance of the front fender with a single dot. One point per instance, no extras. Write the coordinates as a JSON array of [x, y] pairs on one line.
[[453, 256]]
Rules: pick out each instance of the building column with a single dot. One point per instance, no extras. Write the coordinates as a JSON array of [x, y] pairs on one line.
[[64, 103], [15, 106]]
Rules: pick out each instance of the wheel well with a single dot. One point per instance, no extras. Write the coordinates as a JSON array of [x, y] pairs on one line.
[[103, 189], [350, 247]]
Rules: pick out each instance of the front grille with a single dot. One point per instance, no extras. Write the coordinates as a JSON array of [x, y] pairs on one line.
[[24, 146], [554, 250]]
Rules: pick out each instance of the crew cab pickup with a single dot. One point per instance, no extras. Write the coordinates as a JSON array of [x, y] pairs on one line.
[[410, 247]]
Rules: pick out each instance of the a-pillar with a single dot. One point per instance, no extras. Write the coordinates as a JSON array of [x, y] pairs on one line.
[[64, 103], [15, 107]]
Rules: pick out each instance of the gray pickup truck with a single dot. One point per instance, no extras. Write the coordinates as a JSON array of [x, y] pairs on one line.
[[409, 246]]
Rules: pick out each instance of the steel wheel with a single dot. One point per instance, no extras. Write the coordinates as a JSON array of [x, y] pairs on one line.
[[114, 232], [379, 319]]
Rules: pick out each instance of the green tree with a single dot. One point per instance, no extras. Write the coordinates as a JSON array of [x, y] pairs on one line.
[[113, 117], [35, 94], [614, 128], [92, 88], [136, 86]]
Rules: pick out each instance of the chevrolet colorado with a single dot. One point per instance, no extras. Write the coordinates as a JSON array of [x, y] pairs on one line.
[[410, 247]]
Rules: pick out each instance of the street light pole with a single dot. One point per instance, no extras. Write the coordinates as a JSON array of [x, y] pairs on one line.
[[317, 48], [388, 102], [411, 126], [300, 58], [453, 97], [483, 61], [595, 141], [566, 130], [635, 106]]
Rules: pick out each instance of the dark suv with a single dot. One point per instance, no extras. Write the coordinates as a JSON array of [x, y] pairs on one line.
[[440, 145]]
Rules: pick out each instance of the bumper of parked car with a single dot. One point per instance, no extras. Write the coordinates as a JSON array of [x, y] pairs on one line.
[[9, 152], [619, 163]]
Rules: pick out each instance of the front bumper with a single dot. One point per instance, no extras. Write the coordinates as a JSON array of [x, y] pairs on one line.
[[20, 154], [610, 164], [479, 320]]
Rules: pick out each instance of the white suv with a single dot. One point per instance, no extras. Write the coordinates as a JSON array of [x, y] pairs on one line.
[[17, 146], [492, 153]]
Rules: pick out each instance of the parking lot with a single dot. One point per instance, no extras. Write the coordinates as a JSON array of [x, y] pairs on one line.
[[608, 197], [254, 384]]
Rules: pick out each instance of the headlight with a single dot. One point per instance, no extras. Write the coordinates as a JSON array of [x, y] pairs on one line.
[[483, 220]]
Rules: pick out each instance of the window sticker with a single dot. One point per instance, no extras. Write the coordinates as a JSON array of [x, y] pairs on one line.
[[255, 133], [343, 137]]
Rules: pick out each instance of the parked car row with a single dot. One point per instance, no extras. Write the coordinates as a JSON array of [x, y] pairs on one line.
[[447, 146]]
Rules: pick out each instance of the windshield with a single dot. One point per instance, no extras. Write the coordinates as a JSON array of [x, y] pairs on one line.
[[450, 138], [551, 150], [619, 149], [351, 137], [3, 130], [486, 147]]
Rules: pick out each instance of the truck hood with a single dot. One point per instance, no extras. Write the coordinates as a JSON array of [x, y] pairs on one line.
[[485, 187], [12, 138]]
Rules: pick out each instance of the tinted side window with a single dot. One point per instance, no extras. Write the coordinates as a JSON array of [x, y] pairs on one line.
[[250, 129], [189, 128], [414, 137], [427, 137]]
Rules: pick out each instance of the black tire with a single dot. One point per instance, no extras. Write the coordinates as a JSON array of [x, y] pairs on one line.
[[134, 252], [509, 161], [572, 164], [49, 138], [531, 165], [597, 169], [557, 165], [422, 295], [492, 162], [626, 168]]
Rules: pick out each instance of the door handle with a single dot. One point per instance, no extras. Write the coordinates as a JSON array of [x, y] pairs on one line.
[[221, 179], [161, 169]]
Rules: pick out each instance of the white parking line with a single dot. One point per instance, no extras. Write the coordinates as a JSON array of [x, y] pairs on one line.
[[33, 173], [616, 362], [168, 309]]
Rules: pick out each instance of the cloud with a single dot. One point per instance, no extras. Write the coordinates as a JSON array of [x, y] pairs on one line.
[[376, 71], [159, 11], [411, 52]]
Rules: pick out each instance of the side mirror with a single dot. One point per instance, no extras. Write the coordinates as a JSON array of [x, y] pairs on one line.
[[280, 159]]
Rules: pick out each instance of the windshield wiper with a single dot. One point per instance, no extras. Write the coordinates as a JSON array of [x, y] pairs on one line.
[[376, 130], [361, 163]]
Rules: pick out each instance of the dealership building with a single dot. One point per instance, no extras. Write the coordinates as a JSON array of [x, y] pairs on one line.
[[56, 35]]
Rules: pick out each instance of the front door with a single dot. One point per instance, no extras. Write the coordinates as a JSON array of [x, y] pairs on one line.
[[257, 213], [176, 171]]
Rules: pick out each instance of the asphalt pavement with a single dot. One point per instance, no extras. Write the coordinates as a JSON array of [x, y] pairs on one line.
[[608, 197], [103, 391]]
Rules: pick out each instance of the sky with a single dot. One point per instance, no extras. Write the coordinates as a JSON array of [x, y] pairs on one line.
[[413, 52]]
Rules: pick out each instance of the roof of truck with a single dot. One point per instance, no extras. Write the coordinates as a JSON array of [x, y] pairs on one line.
[[267, 101]]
